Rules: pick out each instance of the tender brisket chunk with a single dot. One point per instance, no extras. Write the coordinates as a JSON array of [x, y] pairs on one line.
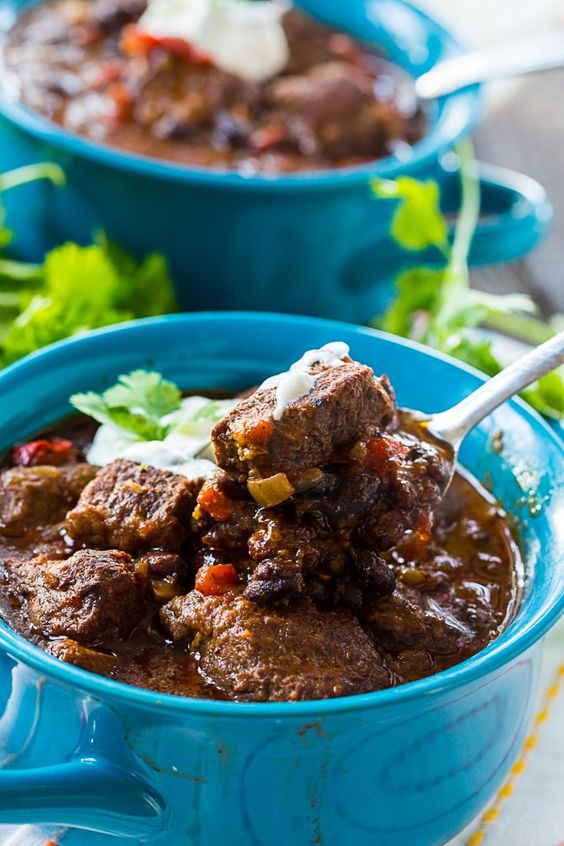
[[89, 597], [255, 655], [132, 507], [39, 496], [75, 653], [437, 621], [332, 111], [344, 402]]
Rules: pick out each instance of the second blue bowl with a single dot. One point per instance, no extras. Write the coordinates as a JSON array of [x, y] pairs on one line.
[[308, 243]]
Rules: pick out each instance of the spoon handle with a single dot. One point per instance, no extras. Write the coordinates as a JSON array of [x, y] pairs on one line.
[[453, 425], [518, 57]]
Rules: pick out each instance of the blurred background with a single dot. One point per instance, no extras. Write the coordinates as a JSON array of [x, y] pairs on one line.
[[524, 130]]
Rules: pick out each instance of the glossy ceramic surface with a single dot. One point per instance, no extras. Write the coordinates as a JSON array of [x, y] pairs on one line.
[[410, 765], [313, 244]]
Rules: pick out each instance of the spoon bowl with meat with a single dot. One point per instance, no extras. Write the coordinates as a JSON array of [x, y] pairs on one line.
[[174, 144], [294, 621]]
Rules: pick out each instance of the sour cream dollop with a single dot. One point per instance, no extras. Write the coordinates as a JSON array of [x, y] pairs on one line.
[[186, 450], [241, 37], [297, 382]]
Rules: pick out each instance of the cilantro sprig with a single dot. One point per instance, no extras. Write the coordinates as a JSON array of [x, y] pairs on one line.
[[436, 304], [135, 405], [144, 406], [76, 288]]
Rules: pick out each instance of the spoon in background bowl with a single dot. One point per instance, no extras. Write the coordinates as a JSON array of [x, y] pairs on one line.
[[524, 56], [450, 427]]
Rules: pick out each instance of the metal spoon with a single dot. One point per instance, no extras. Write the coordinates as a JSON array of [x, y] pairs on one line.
[[527, 55], [451, 427]]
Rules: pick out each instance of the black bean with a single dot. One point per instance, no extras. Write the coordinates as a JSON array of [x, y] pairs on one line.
[[206, 557], [274, 580], [163, 564], [232, 487]]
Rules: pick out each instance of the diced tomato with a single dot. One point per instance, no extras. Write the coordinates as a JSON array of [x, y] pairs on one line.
[[260, 434], [215, 503], [122, 99], [267, 137], [56, 451], [216, 579], [380, 451], [136, 42]]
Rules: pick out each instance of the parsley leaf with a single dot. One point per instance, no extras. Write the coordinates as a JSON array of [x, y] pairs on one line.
[[135, 405]]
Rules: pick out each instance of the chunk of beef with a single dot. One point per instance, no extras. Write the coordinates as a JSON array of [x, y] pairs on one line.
[[438, 621], [175, 99], [332, 111], [344, 402], [287, 654], [89, 597], [38, 496], [308, 41], [131, 506], [75, 653]]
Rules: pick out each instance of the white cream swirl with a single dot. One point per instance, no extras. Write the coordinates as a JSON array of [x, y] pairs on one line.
[[186, 450], [297, 382]]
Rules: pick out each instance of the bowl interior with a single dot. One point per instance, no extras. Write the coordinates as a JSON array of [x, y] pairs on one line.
[[407, 36], [234, 351]]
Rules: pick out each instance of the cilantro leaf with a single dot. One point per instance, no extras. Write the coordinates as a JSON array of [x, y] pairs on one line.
[[82, 289], [76, 289], [135, 404], [146, 287], [146, 391], [416, 291], [474, 351], [547, 395], [212, 410], [417, 222]]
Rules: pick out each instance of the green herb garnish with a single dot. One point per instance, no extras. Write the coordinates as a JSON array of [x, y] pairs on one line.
[[76, 288], [436, 305], [135, 405], [144, 406]]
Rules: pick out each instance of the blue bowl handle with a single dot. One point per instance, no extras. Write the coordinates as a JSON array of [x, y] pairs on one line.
[[89, 793], [515, 213]]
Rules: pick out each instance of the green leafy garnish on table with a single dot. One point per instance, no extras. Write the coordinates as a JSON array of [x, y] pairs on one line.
[[436, 305], [76, 288]]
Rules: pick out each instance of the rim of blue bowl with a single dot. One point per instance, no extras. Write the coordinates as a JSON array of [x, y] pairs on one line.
[[515, 640], [466, 105]]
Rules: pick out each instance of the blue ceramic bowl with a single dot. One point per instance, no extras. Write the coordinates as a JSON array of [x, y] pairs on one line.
[[308, 243], [401, 767]]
